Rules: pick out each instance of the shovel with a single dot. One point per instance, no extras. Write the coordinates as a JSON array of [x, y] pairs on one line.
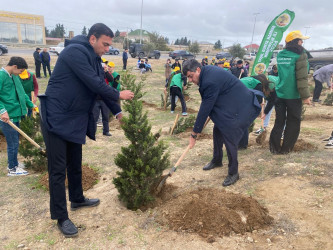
[[42, 150], [174, 124], [161, 184], [262, 137]]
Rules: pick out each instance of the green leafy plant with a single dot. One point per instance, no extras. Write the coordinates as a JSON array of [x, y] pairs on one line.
[[144, 160]]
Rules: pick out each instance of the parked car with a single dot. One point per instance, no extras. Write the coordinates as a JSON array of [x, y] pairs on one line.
[[316, 63], [56, 50], [136, 49], [249, 56], [222, 55], [181, 54], [3, 49], [112, 51]]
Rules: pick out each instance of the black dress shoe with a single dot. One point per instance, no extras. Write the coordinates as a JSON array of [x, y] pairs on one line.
[[212, 165], [68, 228], [87, 203], [231, 179], [107, 134]]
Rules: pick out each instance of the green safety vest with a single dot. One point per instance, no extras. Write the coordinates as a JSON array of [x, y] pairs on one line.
[[177, 81], [115, 74], [286, 88], [28, 84], [12, 97], [250, 82]]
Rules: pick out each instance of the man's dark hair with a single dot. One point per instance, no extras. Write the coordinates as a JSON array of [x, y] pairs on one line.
[[191, 65], [239, 62], [99, 29], [18, 61]]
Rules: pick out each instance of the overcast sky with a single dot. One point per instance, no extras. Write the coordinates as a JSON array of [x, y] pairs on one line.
[[201, 20]]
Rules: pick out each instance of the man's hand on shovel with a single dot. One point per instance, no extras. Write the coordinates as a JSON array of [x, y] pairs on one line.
[[193, 139], [4, 117]]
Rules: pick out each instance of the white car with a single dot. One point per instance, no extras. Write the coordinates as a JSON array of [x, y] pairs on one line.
[[249, 56], [56, 50]]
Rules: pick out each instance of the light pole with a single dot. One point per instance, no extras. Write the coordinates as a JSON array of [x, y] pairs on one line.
[[141, 22], [255, 19]]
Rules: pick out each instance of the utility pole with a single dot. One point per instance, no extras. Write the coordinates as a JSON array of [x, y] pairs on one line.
[[141, 22], [255, 19]]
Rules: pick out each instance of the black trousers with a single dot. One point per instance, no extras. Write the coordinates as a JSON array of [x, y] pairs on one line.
[[38, 64], [176, 91], [244, 142], [63, 156], [100, 106], [46, 65], [232, 150], [288, 111], [317, 90], [124, 64]]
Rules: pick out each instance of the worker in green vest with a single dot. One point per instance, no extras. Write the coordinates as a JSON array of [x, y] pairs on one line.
[[291, 91], [13, 105], [30, 84], [177, 82]]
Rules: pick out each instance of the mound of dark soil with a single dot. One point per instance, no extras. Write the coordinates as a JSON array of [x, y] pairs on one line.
[[3, 143], [302, 145], [317, 117], [89, 178], [213, 213]]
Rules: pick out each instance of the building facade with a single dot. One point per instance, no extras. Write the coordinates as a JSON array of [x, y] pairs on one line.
[[21, 28]]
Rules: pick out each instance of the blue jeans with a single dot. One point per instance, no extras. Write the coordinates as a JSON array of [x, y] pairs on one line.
[[12, 138]]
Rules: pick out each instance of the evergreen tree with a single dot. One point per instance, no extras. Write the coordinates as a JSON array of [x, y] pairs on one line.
[[144, 160], [185, 41], [194, 48], [33, 157], [184, 123], [181, 42], [58, 31], [84, 31], [47, 32], [117, 33], [218, 45], [177, 42]]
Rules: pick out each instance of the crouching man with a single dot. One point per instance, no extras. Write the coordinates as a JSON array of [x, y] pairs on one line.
[[229, 104]]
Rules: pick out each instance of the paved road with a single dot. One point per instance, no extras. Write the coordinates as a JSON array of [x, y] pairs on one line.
[[30, 51]]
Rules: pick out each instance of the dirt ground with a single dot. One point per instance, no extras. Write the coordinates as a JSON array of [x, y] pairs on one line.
[[296, 190]]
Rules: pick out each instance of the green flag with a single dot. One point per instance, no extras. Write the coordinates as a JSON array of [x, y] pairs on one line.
[[272, 38]]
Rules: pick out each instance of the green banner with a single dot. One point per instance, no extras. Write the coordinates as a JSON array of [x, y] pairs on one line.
[[272, 38]]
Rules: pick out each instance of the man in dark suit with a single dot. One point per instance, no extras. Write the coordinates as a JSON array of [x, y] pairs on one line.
[[67, 117], [38, 61], [239, 71], [125, 57], [229, 104]]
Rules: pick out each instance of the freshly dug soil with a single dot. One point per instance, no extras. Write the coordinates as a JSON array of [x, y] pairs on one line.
[[188, 131], [89, 178], [316, 117], [213, 213], [3, 143], [302, 145]]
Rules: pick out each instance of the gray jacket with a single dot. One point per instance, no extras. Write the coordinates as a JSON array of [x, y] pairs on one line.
[[324, 74]]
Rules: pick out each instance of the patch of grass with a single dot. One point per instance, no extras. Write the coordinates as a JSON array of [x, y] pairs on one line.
[[12, 245], [312, 131], [34, 182], [39, 237], [51, 242]]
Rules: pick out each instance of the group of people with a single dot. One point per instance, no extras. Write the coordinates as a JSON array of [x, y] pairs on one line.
[[42, 58], [143, 65], [83, 84]]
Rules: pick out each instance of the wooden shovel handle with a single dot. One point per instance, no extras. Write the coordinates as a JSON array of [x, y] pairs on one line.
[[24, 135], [174, 124], [165, 99], [182, 156], [262, 112]]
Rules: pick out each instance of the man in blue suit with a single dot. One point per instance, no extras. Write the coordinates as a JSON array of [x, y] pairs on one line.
[[67, 117], [229, 104]]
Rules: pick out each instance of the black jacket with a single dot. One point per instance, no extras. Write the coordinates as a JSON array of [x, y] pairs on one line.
[[37, 57], [237, 71], [77, 79]]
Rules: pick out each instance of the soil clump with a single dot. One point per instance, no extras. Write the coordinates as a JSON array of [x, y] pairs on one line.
[[89, 178], [213, 213]]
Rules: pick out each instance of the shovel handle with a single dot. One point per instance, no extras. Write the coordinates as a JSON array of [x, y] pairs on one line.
[[262, 112], [24, 135], [165, 99], [174, 124], [182, 156]]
